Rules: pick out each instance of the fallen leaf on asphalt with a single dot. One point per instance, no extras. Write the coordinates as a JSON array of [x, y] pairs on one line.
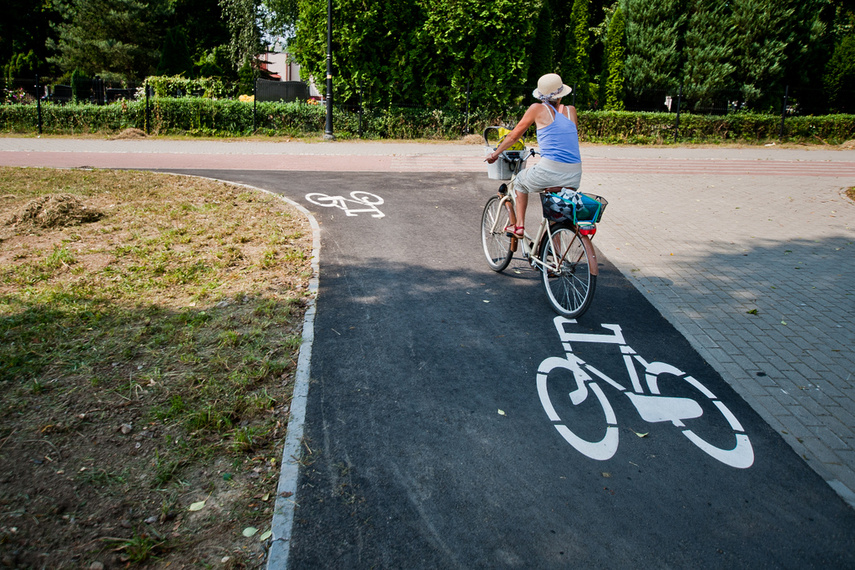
[[641, 434], [265, 536], [502, 413], [249, 531], [198, 506]]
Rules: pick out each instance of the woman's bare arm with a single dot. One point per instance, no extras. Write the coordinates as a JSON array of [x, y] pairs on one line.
[[528, 119]]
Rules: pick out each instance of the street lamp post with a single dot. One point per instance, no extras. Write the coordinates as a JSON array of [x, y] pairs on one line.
[[328, 131]]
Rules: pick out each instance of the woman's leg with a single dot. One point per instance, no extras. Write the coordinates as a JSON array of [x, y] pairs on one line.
[[522, 204]]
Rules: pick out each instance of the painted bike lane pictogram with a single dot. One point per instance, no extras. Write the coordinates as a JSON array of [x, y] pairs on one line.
[[407, 461], [654, 396]]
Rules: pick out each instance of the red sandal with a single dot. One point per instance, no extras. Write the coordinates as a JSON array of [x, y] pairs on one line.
[[515, 231]]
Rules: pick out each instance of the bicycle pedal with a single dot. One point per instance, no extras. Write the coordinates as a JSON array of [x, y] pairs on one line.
[[514, 244]]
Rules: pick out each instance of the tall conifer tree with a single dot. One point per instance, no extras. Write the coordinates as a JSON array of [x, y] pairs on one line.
[[708, 53], [117, 39], [761, 30], [615, 54], [576, 58], [175, 56], [542, 48], [654, 31], [839, 76]]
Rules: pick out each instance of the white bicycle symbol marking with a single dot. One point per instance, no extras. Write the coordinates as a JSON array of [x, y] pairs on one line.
[[652, 407], [366, 199]]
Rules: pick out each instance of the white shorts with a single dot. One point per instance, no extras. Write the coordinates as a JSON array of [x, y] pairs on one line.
[[546, 174]]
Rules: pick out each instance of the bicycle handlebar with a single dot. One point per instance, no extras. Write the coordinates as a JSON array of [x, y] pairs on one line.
[[515, 155]]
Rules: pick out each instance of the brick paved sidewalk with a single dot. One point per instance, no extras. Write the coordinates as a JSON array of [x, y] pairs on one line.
[[758, 273], [749, 253]]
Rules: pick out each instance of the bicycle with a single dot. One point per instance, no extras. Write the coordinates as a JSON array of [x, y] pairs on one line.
[[561, 249], [679, 407]]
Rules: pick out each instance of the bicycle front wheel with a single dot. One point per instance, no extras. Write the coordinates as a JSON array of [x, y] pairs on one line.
[[496, 243], [570, 275]]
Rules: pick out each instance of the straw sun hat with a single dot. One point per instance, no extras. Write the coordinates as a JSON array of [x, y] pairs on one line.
[[550, 87]]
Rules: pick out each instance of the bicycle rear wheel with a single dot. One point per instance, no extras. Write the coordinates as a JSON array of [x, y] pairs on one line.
[[496, 243], [571, 277]]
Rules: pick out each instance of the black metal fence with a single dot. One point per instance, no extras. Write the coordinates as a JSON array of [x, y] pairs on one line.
[[100, 92], [788, 103], [84, 90], [281, 90]]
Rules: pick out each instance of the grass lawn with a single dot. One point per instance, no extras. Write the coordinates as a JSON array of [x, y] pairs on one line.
[[149, 330]]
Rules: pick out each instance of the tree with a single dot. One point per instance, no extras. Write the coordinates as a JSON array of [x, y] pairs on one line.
[[709, 63], [242, 18], [808, 53], [116, 39], [576, 60], [309, 43], [22, 65], [615, 54], [381, 59], [653, 35], [419, 51], [25, 28], [839, 77], [281, 17], [203, 24], [215, 63], [761, 31], [175, 56], [481, 43], [375, 49], [542, 49]]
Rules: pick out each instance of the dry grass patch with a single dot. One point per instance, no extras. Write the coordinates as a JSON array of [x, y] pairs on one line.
[[149, 329]]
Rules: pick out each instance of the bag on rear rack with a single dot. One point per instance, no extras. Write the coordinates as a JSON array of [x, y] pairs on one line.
[[571, 205]]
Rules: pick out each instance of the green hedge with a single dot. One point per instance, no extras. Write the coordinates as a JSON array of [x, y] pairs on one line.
[[210, 117], [645, 128], [176, 86]]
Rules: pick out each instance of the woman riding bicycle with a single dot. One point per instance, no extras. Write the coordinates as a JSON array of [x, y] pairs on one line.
[[558, 139]]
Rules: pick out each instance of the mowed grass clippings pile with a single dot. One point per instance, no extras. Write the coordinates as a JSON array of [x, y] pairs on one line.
[[149, 331]]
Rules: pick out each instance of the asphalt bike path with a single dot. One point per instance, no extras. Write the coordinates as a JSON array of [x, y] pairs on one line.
[[453, 422]]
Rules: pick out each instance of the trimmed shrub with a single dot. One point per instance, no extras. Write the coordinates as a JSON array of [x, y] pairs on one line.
[[210, 117]]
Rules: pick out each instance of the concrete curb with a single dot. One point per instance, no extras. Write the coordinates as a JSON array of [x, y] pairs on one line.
[[286, 491]]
